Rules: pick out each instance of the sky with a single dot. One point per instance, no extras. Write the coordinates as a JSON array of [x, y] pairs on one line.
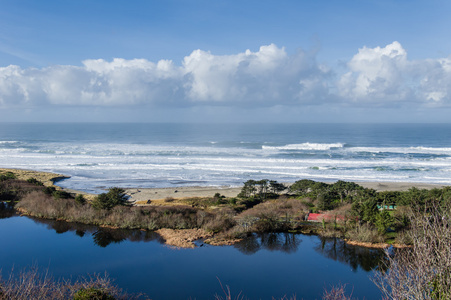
[[225, 61]]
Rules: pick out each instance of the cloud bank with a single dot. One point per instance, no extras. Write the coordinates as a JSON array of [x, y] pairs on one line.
[[380, 76]]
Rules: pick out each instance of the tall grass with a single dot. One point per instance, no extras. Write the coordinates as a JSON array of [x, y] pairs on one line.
[[33, 283]]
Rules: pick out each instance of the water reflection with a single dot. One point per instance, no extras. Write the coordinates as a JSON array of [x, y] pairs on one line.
[[285, 242], [102, 237], [332, 248], [6, 210], [338, 250]]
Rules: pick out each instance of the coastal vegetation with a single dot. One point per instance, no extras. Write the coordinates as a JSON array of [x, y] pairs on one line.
[[417, 218], [341, 209]]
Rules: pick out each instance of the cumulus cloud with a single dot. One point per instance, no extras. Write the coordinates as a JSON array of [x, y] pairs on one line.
[[269, 77], [385, 76]]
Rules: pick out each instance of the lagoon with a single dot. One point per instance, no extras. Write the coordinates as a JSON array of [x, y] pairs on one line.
[[260, 267]]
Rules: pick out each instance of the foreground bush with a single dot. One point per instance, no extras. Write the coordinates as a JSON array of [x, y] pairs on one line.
[[92, 293], [34, 284], [423, 271]]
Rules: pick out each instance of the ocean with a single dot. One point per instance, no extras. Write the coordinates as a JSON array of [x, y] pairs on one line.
[[102, 155]]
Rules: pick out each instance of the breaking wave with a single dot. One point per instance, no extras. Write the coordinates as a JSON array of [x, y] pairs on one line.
[[306, 146]]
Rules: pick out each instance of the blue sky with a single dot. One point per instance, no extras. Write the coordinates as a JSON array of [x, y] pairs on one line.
[[291, 61]]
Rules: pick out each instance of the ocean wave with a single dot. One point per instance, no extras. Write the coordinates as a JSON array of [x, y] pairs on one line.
[[305, 146], [404, 150]]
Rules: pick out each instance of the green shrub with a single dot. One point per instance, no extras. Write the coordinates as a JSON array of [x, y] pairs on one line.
[[61, 195], [7, 176], [49, 190], [92, 294], [35, 181], [80, 199]]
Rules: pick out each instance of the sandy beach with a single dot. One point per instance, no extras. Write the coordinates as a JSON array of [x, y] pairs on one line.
[[144, 194], [139, 195]]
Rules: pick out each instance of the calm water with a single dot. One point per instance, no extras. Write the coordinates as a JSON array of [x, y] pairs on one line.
[[261, 267], [98, 156]]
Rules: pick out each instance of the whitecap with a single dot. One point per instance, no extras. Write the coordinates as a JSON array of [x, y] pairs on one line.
[[306, 146]]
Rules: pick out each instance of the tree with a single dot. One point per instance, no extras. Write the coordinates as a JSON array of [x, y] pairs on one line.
[[325, 200], [384, 221], [262, 188], [345, 189], [369, 211], [248, 190], [302, 187], [276, 187], [115, 196]]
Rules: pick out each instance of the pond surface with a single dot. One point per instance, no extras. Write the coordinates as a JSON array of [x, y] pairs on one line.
[[261, 267]]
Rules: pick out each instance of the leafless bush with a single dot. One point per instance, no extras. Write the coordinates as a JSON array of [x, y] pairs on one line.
[[33, 284], [292, 207], [364, 233], [177, 217], [220, 222], [423, 271], [331, 232], [404, 238], [40, 204], [336, 293]]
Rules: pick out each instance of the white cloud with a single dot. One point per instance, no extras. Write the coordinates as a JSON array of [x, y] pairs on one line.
[[269, 77], [385, 76]]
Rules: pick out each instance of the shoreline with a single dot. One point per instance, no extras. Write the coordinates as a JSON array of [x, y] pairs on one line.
[[47, 178], [144, 194]]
